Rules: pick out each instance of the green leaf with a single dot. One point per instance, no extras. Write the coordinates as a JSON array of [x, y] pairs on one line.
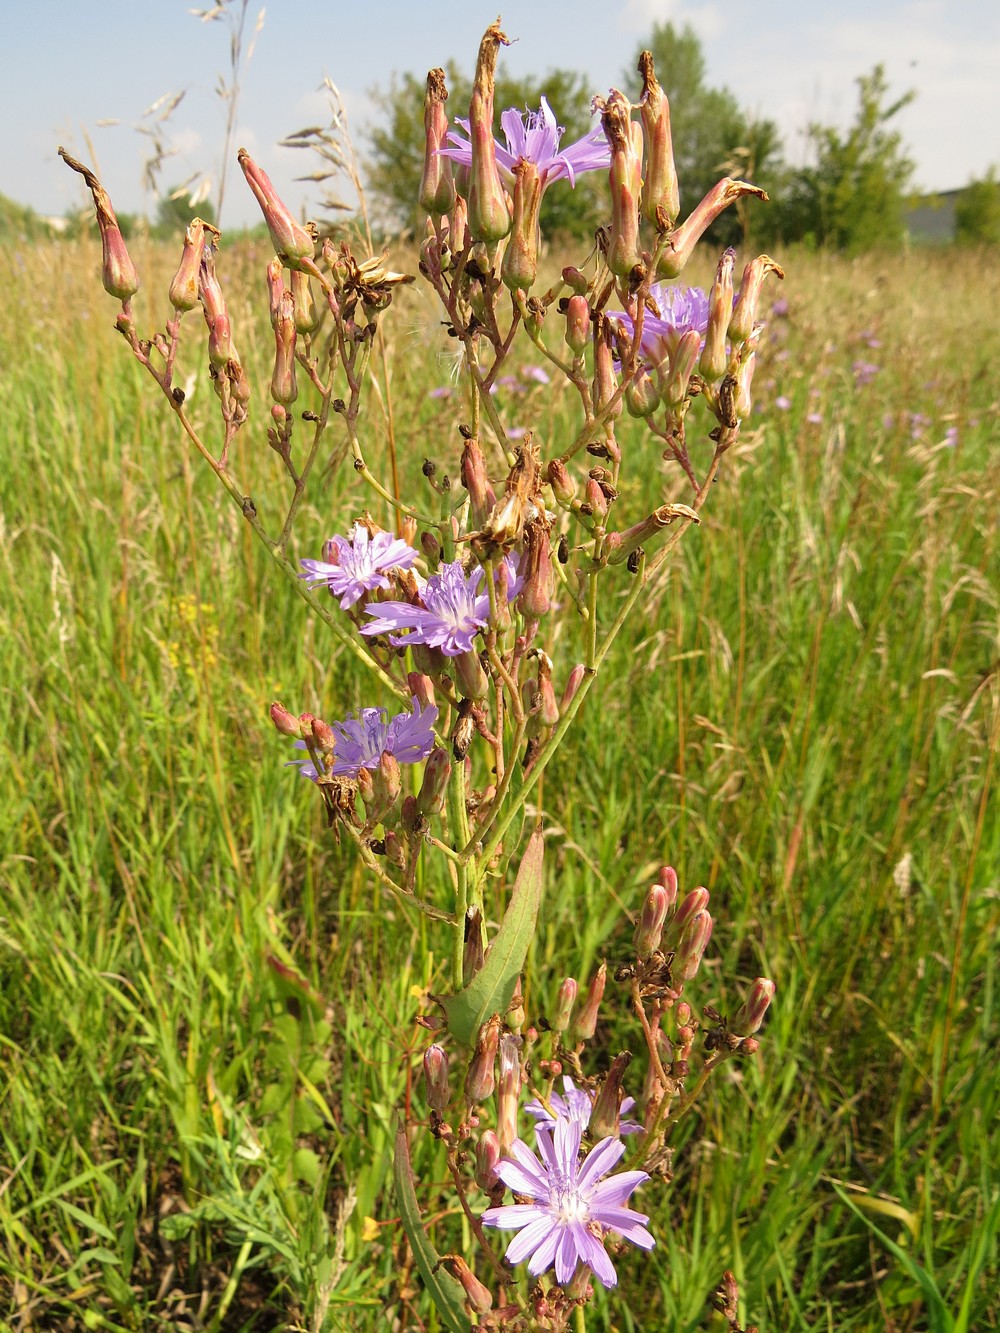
[[444, 1290], [491, 989]]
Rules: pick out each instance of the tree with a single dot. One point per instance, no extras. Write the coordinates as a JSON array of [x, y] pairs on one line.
[[712, 135], [397, 147], [977, 212], [852, 199]]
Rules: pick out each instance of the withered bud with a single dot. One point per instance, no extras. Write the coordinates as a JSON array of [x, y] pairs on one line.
[[393, 849], [488, 1156], [410, 817], [489, 219], [632, 538], [477, 483], [437, 186], [684, 239], [692, 945], [508, 1090], [743, 401], [275, 279], [535, 596], [464, 730], [624, 138], [291, 241], [474, 950], [183, 291], [436, 1078], [548, 708], [520, 260], [577, 323], [480, 1080], [118, 272], [564, 1005], [720, 308], [745, 311], [604, 1118], [585, 1021], [660, 193], [285, 722], [283, 386], [478, 1297], [748, 1018]]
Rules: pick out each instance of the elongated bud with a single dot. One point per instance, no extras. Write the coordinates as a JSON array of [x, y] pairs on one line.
[[668, 878], [536, 565], [471, 680], [480, 1080], [488, 1156], [577, 323], [285, 722], [515, 1010], [694, 902], [477, 483], [437, 771], [275, 279], [743, 400], [682, 365], [564, 1005], [558, 476], [388, 782], [220, 341], [689, 233], [366, 790], [118, 272], [291, 241], [508, 1090], [745, 311], [308, 315], [649, 927], [596, 501], [605, 380], [395, 852], [661, 201], [575, 280], [283, 387], [748, 1018], [478, 1297], [183, 292], [324, 735], [572, 685], [548, 708], [474, 951], [622, 544], [436, 1078], [642, 397], [437, 187], [585, 1022], [692, 945], [489, 219], [624, 138], [720, 308], [605, 1117], [421, 688], [520, 260]]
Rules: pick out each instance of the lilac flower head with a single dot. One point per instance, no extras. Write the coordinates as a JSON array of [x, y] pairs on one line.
[[681, 310], [572, 1203], [362, 741], [577, 1104], [535, 137], [361, 564], [451, 614]]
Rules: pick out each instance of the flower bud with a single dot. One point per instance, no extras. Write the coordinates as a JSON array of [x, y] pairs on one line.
[[720, 308], [564, 1005], [649, 927], [535, 597], [471, 680], [548, 708], [692, 945], [572, 685], [745, 311], [394, 851], [183, 292], [660, 194], [558, 477], [693, 902], [577, 323], [430, 546], [421, 688], [388, 782], [436, 1078], [477, 483], [308, 315], [480, 1080], [473, 952], [437, 187], [743, 400], [585, 1022], [489, 219], [291, 241], [275, 279], [437, 771], [642, 397], [624, 138], [283, 387], [605, 380], [668, 878], [478, 1297], [520, 260], [508, 1090], [118, 272], [575, 280], [488, 1155], [682, 365], [684, 239], [748, 1018], [596, 500], [366, 790], [604, 1118], [515, 1010]]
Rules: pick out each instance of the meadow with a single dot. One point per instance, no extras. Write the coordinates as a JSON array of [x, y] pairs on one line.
[[804, 718]]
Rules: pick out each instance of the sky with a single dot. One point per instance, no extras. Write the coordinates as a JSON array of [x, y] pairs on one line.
[[72, 66]]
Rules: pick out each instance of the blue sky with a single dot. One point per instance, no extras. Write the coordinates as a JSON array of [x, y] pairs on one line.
[[70, 66]]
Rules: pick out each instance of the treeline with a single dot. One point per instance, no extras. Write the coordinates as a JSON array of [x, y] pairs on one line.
[[852, 198]]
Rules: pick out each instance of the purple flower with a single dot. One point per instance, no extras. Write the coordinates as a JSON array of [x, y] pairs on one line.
[[782, 402], [577, 1105], [573, 1205], [362, 741], [681, 309], [537, 373], [361, 564], [864, 372], [535, 137], [451, 613]]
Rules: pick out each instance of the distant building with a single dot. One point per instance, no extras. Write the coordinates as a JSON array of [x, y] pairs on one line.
[[930, 218]]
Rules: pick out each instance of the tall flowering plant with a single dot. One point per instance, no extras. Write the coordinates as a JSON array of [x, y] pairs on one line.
[[453, 601]]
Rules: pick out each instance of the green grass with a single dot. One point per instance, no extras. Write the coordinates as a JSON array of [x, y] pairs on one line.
[[803, 717]]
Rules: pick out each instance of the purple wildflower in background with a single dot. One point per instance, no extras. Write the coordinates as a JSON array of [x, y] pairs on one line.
[[572, 1206], [782, 402], [864, 372], [362, 741], [577, 1104], [361, 565], [535, 137], [452, 614], [681, 309]]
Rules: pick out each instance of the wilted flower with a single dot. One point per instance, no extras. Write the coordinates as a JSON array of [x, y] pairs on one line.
[[362, 564], [572, 1206], [576, 1105], [534, 136], [360, 742], [681, 310]]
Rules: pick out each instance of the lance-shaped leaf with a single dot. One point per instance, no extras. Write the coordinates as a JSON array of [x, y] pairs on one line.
[[445, 1291], [490, 991]]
